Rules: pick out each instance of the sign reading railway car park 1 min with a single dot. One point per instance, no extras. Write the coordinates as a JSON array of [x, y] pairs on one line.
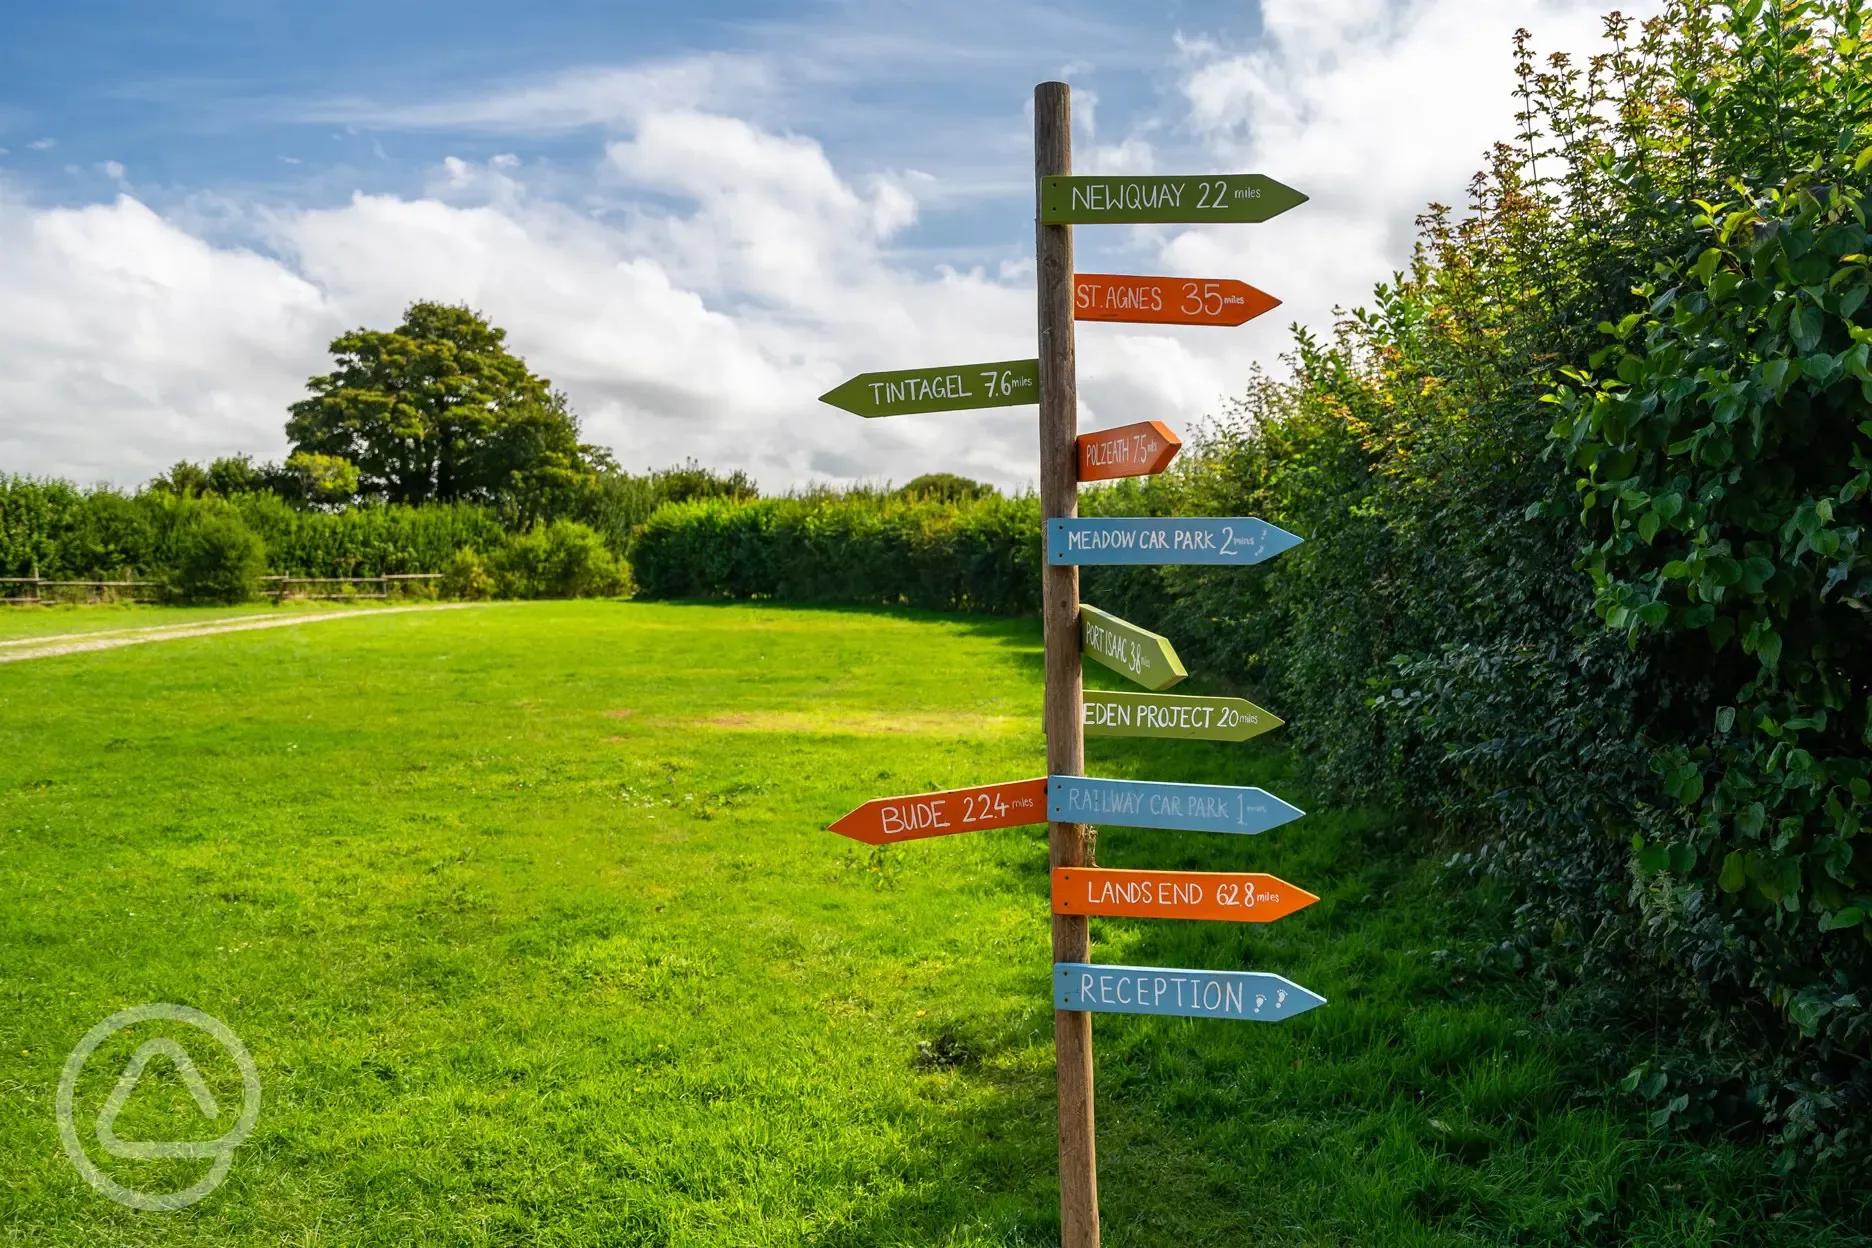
[[1139, 450], [1110, 714], [1252, 995], [1154, 804], [1239, 540], [1144, 656], [883, 820], [1007, 383], [1167, 300], [1224, 896], [1183, 198]]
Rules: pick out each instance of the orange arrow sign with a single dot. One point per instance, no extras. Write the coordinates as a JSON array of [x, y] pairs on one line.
[[1140, 450], [1231, 896], [883, 820], [1167, 300]]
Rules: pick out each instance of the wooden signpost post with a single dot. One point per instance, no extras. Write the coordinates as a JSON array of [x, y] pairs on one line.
[[1168, 300], [1109, 714], [1144, 656], [1065, 799], [1224, 896]]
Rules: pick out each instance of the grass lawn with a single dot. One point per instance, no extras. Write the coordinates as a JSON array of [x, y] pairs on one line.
[[19, 622], [529, 920]]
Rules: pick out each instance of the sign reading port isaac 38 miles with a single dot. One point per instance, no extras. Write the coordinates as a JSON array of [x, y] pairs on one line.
[[1098, 199], [1007, 383]]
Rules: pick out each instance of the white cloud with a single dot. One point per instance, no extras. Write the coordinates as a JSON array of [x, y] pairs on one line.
[[711, 277], [113, 170], [42, 145]]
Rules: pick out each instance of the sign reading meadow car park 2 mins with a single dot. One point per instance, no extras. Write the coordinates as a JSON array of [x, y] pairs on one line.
[[1067, 802]]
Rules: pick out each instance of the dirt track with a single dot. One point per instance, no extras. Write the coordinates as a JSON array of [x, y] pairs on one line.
[[78, 643]]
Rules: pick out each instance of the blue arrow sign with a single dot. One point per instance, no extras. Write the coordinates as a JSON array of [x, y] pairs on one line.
[[1166, 539], [1252, 995], [1149, 804]]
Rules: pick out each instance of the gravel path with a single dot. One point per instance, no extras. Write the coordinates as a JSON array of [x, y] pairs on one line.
[[78, 643]]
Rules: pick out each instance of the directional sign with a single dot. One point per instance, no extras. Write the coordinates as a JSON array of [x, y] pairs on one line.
[[1166, 539], [1139, 450], [1252, 995], [1167, 300], [1144, 656], [1171, 715], [883, 820], [1151, 804], [1229, 896], [1102, 199], [1004, 384]]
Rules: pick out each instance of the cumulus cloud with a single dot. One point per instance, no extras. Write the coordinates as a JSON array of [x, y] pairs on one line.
[[716, 275]]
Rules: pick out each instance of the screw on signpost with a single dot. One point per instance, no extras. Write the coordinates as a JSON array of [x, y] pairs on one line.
[[1059, 587]]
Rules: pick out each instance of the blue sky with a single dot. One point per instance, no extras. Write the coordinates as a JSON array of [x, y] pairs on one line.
[[695, 217]]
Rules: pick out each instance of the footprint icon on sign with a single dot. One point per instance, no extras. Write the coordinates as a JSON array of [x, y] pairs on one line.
[[1260, 1000], [1280, 998]]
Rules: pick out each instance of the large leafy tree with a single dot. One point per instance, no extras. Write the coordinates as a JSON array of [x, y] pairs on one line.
[[438, 410]]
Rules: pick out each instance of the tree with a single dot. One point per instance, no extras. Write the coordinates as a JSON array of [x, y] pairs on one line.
[[438, 410], [308, 478], [947, 487]]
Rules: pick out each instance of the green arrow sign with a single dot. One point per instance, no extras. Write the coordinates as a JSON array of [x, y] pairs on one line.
[[1004, 384], [1170, 715], [1130, 651], [1100, 200]]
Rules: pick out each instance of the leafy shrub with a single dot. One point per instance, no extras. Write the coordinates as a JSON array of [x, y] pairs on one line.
[[218, 559], [562, 559], [465, 576]]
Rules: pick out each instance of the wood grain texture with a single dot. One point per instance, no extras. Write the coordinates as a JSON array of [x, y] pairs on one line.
[[1065, 748]]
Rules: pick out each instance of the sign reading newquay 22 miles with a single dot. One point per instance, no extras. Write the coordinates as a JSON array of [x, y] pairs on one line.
[[1166, 539], [1144, 656], [1252, 995], [1098, 199], [1152, 804], [1008, 383], [1109, 714]]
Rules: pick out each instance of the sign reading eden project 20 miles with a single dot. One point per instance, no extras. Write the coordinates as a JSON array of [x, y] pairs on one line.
[[1006, 383], [1100, 199], [1166, 539]]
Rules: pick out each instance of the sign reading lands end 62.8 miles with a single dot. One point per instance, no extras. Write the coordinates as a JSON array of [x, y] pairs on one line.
[[1100, 199]]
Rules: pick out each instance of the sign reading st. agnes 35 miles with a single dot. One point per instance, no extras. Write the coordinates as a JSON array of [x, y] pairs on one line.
[[1165, 539], [1153, 804], [1251, 996], [1101, 199], [1006, 383]]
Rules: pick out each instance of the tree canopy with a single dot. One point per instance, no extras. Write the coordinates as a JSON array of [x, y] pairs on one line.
[[438, 410]]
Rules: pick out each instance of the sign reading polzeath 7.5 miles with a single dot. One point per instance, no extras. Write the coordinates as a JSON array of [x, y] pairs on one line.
[[1253, 996], [1139, 450], [1154, 804], [1006, 383], [1222, 896], [1166, 539], [1110, 714], [1100, 199], [883, 820]]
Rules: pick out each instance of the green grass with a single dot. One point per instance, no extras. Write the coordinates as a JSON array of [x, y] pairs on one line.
[[529, 920]]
